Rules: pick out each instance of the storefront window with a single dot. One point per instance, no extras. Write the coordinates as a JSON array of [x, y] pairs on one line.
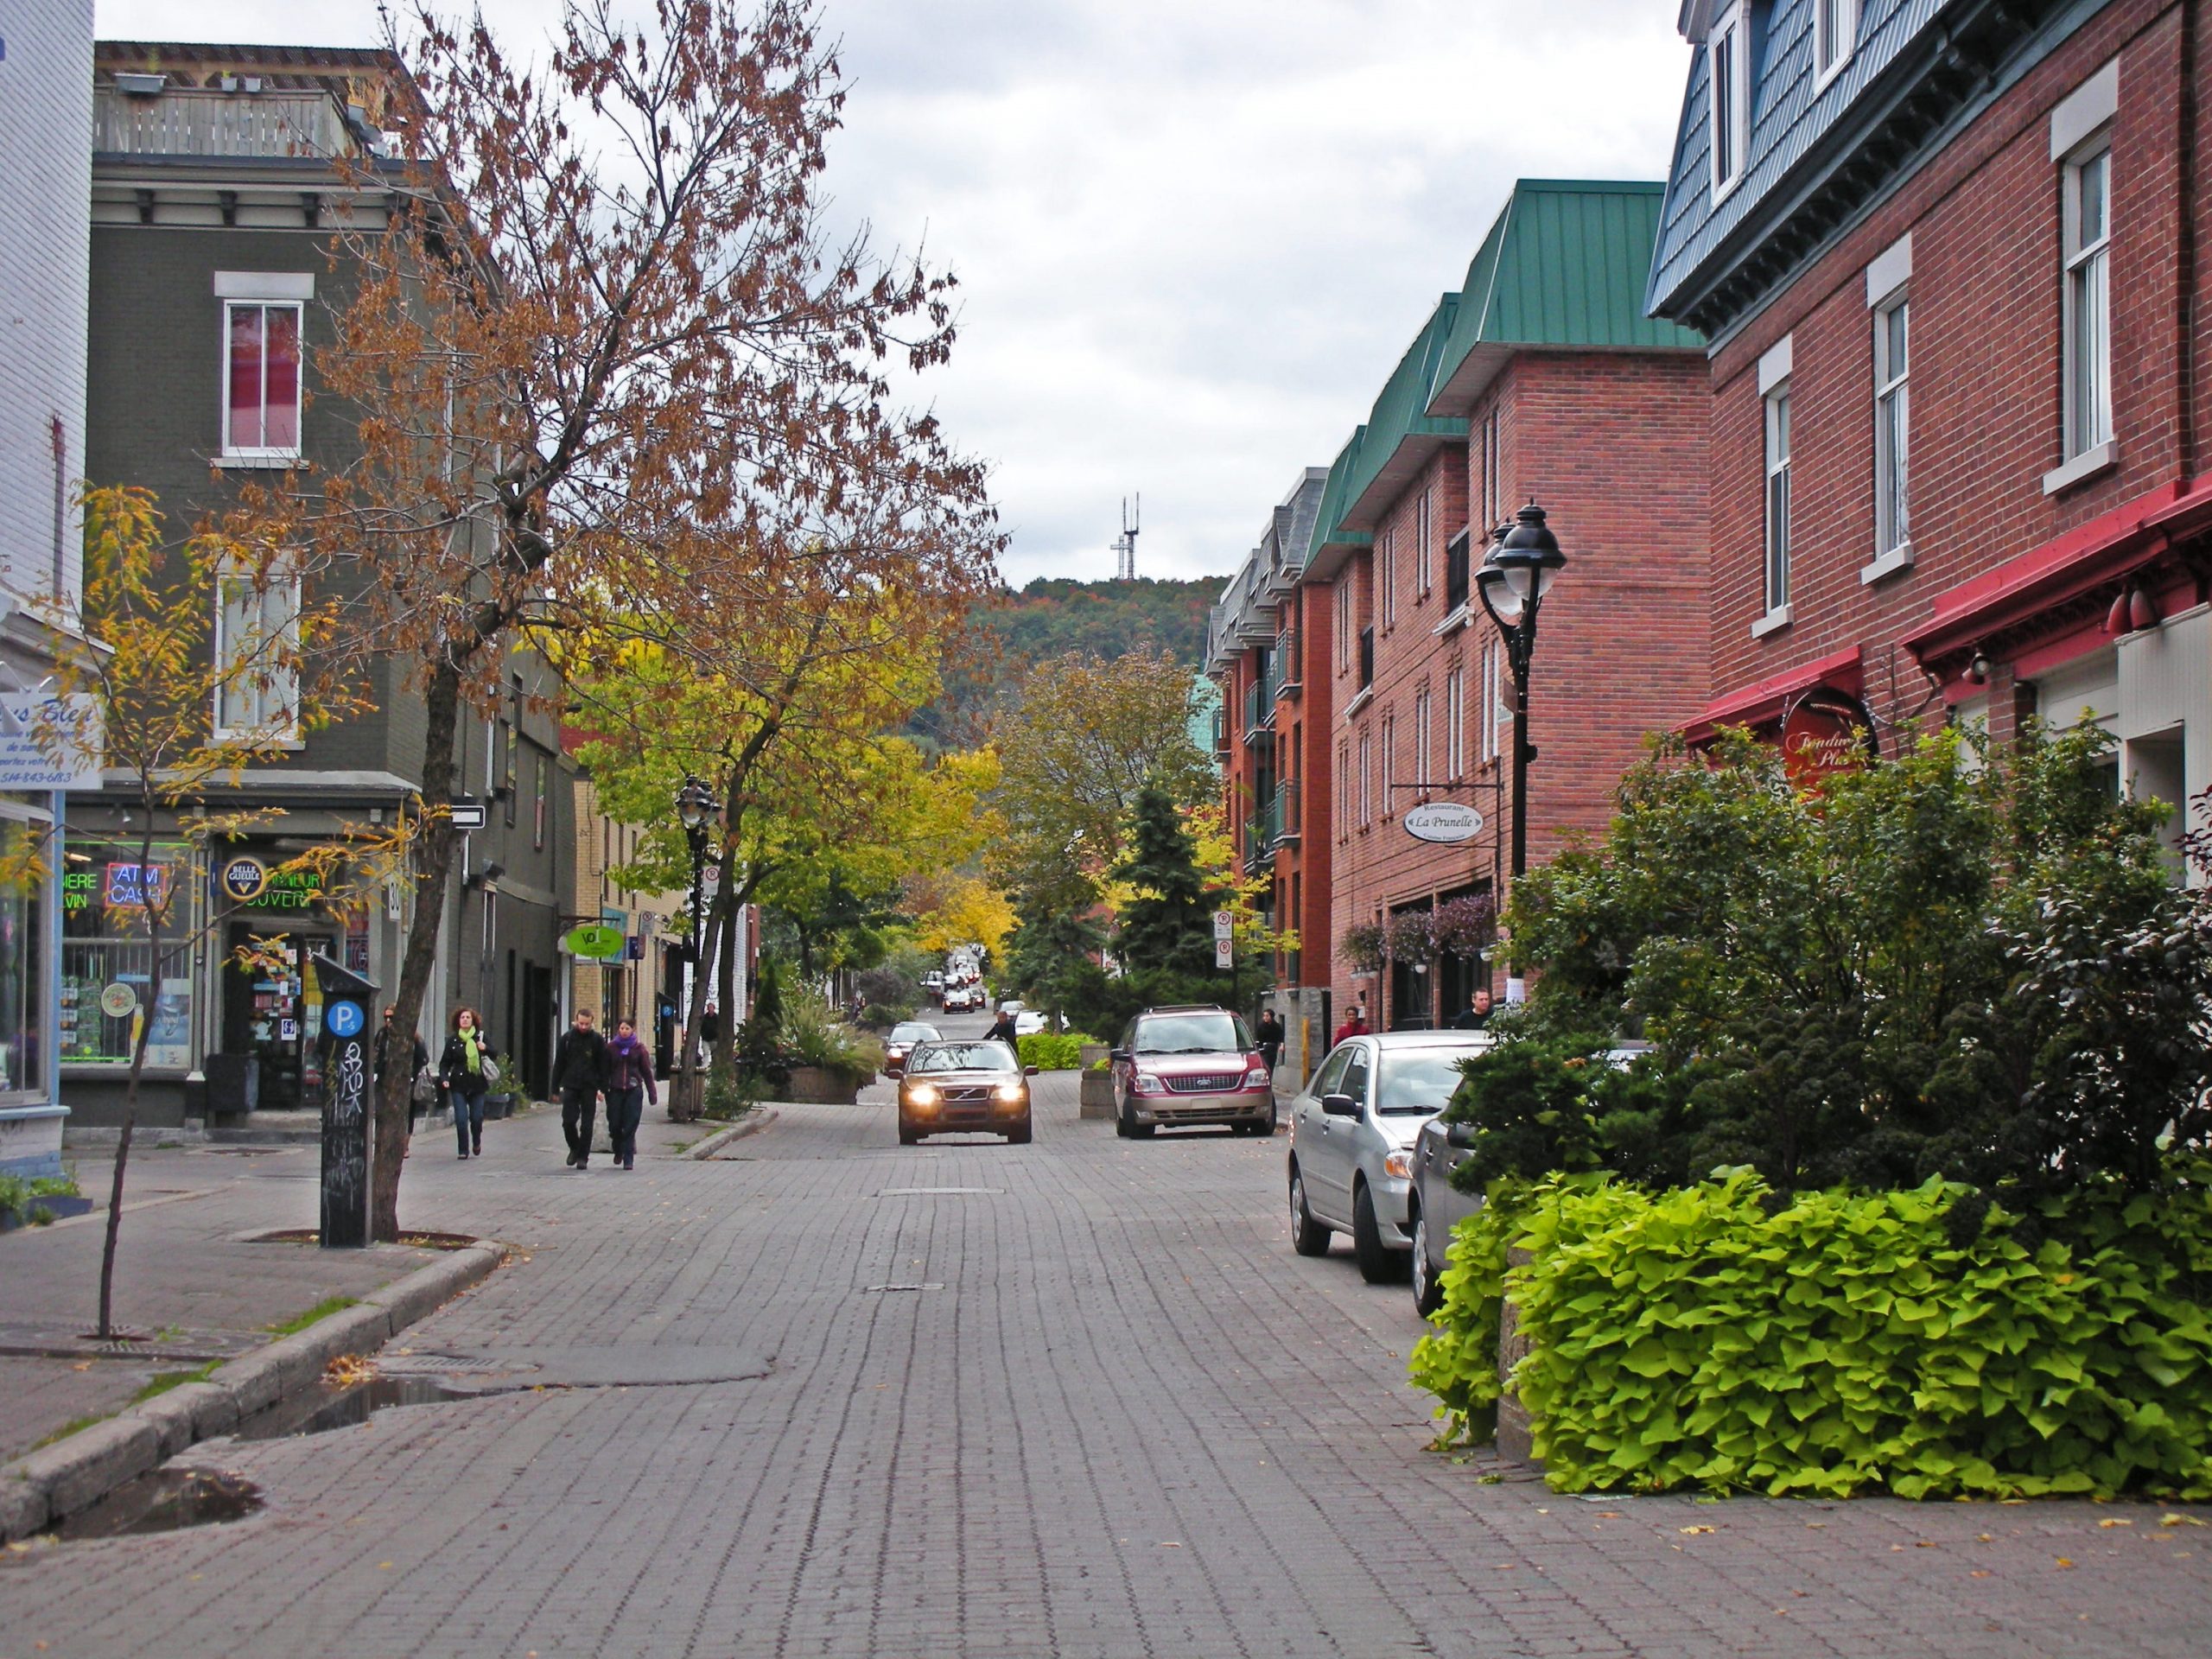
[[23, 957], [109, 977]]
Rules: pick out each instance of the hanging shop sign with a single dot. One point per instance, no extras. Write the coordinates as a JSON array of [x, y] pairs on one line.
[[596, 942], [1827, 732], [243, 879], [248, 881], [49, 741], [1445, 822]]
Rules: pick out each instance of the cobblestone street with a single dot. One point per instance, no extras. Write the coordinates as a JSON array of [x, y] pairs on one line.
[[1075, 1398]]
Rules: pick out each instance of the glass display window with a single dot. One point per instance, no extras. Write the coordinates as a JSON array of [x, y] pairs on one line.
[[24, 850], [110, 979]]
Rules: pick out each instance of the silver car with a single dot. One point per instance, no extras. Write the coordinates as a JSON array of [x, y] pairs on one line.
[[1352, 1141]]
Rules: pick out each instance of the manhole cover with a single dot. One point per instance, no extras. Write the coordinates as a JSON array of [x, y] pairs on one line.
[[871, 1290], [939, 1191]]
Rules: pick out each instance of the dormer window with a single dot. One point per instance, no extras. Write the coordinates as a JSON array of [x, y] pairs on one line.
[[1728, 77], [1835, 33]]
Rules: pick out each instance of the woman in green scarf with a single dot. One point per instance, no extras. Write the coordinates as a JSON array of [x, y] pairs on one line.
[[461, 1073]]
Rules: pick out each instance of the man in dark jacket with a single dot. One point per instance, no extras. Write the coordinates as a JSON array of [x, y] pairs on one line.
[[580, 1072], [1477, 1018]]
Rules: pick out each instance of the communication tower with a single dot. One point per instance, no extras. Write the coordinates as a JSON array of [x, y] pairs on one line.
[[1125, 545]]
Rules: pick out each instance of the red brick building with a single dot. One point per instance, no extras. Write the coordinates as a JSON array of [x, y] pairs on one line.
[[1948, 262], [1539, 378]]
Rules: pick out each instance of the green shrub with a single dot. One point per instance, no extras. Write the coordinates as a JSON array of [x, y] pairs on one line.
[[813, 1035], [1723, 1336], [1048, 1052]]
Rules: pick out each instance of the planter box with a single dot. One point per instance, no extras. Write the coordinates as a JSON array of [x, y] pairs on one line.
[[1092, 1053], [1097, 1095], [821, 1086], [1513, 1437], [56, 1209]]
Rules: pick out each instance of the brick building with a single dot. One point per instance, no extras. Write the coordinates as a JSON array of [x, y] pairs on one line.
[[1267, 648], [1539, 378], [1947, 260]]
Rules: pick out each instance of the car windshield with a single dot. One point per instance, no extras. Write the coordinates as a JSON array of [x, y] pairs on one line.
[[911, 1032], [1193, 1033], [963, 1057], [1419, 1081]]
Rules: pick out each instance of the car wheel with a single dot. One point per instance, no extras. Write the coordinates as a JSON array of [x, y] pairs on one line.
[[908, 1134], [1378, 1264], [1019, 1135], [1308, 1236], [1428, 1287], [1125, 1122]]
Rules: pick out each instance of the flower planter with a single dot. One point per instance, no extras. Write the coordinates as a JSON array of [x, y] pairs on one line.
[[1091, 1054], [823, 1085], [56, 1209], [1097, 1095]]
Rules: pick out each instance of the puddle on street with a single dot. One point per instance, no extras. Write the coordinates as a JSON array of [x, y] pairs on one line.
[[165, 1500], [323, 1408]]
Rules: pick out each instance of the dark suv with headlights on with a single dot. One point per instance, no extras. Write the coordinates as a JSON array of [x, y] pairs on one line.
[[1190, 1065], [954, 1088]]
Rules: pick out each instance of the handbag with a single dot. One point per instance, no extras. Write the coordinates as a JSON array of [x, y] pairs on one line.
[[489, 1071], [425, 1091]]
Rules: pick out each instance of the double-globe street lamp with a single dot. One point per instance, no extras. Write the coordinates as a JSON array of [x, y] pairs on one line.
[[1523, 560], [695, 808]]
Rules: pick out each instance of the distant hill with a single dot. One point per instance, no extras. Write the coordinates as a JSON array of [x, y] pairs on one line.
[[1053, 617]]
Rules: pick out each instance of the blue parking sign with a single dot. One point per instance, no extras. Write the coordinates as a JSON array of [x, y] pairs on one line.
[[342, 1018]]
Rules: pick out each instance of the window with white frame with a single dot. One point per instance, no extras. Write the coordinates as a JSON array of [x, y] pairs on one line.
[[1421, 707], [1343, 790], [1421, 527], [1492, 511], [1777, 498], [1386, 574], [1343, 619], [1492, 693], [1366, 783], [1835, 32], [1455, 715], [1387, 759], [2087, 230], [1729, 94], [261, 380], [1892, 425], [257, 653]]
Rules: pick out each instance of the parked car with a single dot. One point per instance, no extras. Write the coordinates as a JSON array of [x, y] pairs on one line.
[[1030, 1021], [953, 1088], [1434, 1206], [1352, 1134], [901, 1041], [1185, 1066]]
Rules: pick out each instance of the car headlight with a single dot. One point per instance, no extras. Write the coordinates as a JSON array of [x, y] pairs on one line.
[[1257, 1077], [1009, 1092], [1146, 1084], [921, 1094], [1399, 1164]]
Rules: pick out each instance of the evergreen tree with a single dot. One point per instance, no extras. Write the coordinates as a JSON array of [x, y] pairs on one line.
[[1167, 925]]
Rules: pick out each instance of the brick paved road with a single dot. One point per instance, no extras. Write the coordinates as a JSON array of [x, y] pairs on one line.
[[1120, 1418]]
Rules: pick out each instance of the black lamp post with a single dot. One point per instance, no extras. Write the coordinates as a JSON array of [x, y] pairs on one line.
[[695, 806], [1522, 563]]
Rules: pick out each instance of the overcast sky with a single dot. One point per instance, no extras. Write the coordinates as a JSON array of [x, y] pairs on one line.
[[1193, 236]]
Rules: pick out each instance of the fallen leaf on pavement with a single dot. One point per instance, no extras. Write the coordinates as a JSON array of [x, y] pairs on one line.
[[1694, 1529], [2064, 1562], [2178, 1520], [2115, 1523]]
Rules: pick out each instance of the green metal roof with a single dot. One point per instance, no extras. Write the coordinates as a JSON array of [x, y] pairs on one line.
[[1330, 540], [1564, 266], [1401, 434]]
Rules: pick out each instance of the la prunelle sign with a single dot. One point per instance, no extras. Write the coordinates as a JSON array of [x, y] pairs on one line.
[[1445, 822], [49, 741]]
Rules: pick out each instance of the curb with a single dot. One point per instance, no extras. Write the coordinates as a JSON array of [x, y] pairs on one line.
[[55, 1481], [754, 1120]]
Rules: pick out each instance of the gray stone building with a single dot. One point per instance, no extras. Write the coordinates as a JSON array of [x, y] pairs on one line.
[[212, 286]]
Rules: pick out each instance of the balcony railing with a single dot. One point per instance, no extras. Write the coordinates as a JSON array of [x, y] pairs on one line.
[[1285, 808], [1221, 745], [1366, 658], [1456, 573], [1262, 831], [1259, 712], [194, 121], [1286, 659]]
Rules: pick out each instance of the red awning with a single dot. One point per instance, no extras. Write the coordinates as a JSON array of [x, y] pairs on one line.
[[1764, 702], [2039, 591]]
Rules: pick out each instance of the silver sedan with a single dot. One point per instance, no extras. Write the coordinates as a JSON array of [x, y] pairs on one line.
[[1352, 1136]]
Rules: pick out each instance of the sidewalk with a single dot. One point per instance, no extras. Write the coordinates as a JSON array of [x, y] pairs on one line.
[[191, 1279]]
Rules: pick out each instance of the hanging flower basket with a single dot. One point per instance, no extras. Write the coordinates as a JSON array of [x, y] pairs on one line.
[[1464, 926], [1361, 946], [1409, 938]]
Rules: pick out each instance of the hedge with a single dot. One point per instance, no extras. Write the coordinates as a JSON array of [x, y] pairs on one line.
[[1722, 1337], [1052, 1051]]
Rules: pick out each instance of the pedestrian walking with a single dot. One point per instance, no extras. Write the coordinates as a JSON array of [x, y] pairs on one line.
[[580, 1073], [1269, 1037], [467, 1068], [387, 1048], [629, 1086], [1355, 1024], [1003, 1032], [1477, 1018]]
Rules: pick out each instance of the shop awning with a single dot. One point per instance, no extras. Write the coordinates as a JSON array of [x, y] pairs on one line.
[[1765, 702]]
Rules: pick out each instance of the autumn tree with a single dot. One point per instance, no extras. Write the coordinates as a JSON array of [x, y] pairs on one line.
[[611, 373], [179, 715]]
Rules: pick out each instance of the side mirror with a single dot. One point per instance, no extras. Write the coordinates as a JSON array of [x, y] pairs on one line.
[[1340, 1106], [1119, 1056], [1461, 1135], [1029, 1071]]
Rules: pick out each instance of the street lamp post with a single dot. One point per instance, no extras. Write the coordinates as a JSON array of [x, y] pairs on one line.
[[694, 807], [1523, 560]]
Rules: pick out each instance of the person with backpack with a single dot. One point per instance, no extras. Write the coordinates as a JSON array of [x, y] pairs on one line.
[[629, 1085], [579, 1074], [467, 1068]]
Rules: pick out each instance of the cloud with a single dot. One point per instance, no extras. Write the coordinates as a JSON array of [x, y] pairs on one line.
[[1193, 238]]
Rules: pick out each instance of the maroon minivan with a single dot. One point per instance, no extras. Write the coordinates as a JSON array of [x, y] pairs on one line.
[[1190, 1065]]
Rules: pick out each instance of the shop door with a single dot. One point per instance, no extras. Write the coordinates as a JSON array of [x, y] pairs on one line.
[[272, 1009]]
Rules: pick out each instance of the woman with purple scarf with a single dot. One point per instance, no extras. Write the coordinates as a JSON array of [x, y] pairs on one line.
[[629, 1085]]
